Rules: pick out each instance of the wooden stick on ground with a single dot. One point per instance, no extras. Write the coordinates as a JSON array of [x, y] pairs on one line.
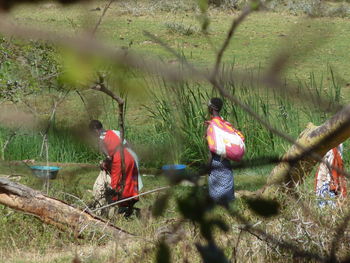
[[130, 198], [53, 211]]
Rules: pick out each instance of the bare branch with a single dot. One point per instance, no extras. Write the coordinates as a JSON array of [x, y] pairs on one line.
[[101, 87], [4, 146], [52, 115], [102, 16], [84, 103], [235, 23], [130, 198]]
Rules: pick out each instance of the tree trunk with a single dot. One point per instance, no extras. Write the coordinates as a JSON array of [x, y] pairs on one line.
[[53, 211], [318, 138]]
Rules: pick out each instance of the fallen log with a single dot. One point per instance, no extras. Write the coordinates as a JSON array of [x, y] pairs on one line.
[[53, 211], [319, 140]]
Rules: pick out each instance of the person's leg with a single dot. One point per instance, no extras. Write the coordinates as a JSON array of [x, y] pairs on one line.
[[127, 208], [220, 181]]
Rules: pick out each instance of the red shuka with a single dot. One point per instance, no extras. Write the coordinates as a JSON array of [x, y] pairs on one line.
[[339, 183], [338, 180], [112, 143]]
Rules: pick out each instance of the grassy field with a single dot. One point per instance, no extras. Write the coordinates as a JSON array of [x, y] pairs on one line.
[[32, 241], [25, 239], [316, 45]]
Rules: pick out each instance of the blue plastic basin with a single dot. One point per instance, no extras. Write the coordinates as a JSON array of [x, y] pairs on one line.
[[174, 169], [45, 172]]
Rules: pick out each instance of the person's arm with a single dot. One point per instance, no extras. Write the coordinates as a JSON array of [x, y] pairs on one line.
[[105, 164], [205, 168], [210, 159], [104, 150]]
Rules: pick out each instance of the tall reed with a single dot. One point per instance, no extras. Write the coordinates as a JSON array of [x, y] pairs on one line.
[[63, 147], [173, 130], [180, 110]]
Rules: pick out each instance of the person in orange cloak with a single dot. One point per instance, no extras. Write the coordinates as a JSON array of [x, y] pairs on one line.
[[330, 182], [118, 186]]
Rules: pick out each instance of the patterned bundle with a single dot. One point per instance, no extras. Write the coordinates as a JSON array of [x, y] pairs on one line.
[[224, 140]]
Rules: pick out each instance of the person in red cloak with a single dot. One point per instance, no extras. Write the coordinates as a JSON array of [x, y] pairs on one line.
[[120, 187], [330, 182]]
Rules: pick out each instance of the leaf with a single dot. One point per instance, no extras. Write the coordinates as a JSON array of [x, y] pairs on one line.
[[163, 253], [195, 205], [79, 70], [75, 70], [211, 253], [207, 228], [125, 80], [160, 205], [220, 224], [263, 207]]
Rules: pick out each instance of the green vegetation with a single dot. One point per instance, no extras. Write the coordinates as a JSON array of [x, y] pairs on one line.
[[181, 117], [253, 47], [73, 185], [25, 239], [165, 124]]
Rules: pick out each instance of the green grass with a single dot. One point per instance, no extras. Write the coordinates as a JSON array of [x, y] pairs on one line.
[[180, 117], [32, 241], [320, 46], [255, 42], [62, 147], [78, 180]]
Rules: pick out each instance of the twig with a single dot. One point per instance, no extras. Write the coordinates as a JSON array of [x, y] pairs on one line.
[[85, 106], [53, 112], [130, 198], [235, 248], [102, 16], [235, 23], [3, 149], [339, 233], [53, 75], [80, 200], [32, 110]]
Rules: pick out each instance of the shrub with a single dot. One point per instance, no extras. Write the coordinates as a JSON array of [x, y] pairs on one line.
[[338, 11]]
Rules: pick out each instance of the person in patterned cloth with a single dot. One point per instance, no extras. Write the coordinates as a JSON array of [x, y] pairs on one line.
[[110, 186], [330, 183], [220, 180]]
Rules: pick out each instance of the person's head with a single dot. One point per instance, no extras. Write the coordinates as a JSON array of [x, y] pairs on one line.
[[215, 105], [96, 127]]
